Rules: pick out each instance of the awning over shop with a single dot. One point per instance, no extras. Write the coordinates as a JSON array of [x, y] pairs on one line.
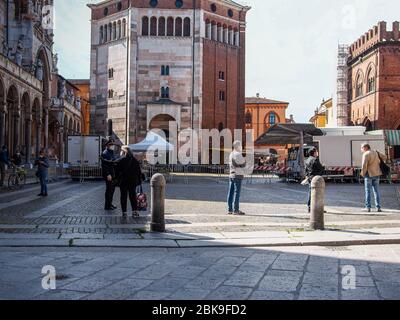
[[282, 134], [392, 136]]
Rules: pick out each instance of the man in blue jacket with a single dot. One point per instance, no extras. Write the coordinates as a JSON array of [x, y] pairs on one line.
[[4, 160]]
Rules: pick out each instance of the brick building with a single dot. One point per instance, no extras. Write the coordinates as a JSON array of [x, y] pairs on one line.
[[260, 115], [374, 79], [157, 61]]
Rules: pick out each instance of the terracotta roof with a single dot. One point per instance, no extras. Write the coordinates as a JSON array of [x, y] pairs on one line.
[[255, 100]]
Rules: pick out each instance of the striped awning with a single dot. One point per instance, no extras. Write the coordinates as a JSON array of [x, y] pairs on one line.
[[393, 137]]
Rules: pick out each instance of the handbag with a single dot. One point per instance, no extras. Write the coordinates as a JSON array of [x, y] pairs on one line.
[[141, 200], [384, 167]]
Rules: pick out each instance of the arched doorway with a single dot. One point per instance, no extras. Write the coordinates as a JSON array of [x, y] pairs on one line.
[[367, 124], [161, 122], [12, 120]]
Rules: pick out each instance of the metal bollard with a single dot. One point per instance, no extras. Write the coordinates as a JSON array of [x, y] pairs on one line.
[[157, 184], [317, 203]]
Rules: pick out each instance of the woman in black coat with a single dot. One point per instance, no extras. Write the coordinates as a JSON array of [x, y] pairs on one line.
[[129, 176]]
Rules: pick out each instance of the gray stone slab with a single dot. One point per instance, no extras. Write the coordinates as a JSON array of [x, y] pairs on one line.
[[360, 294], [269, 295], [189, 294], [244, 279], [28, 236], [60, 295], [205, 283], [281, 284], [125, 243], [152, 273], [230, 293], [389, 291], [296, 265], [188, 272], [77, 236], [216, 271], [34, 243], [88, 284], [167, 284], [365, 282], [120, 290], [230, 261], [321, 279], [312, 292], [149, 295]]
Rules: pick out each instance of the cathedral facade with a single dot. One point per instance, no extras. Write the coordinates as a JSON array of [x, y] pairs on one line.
[[153, 62]]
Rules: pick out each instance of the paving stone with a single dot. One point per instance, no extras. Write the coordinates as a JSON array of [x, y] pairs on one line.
[[149, 295], [312, 292], [269, 295], [281, 264], [60, 295], [244, 279], [206, 283], [365, 282], [88, 284], [189, 272], [152, 273], [189, 294], [281, 284], [229, 293], [387, 290], [230, 261], [321, 279], [219, 271], [120, 290], [167, 284], [360, 294]]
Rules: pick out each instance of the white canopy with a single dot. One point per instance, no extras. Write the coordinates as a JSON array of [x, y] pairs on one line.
[[154, 141]]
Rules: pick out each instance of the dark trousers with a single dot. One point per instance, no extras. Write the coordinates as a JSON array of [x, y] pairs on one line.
[[110, 189], [131, 191]]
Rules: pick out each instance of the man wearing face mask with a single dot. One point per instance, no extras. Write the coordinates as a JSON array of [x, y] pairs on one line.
[[107, 164]]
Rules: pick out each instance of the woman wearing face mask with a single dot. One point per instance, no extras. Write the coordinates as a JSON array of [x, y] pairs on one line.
[[129, 177]]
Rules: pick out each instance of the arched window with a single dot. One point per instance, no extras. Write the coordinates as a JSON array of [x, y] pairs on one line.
[[110, 93], [248, 118], [359, 86], [114, 31], [119, 31], [101, 35], [272, 119], [371, 80], [105, 38], [167, 70], [124, 28], [170, 27], [186, 27], [153, 26], [161, 27], [178, 27], [164, 93], [145, 26], [208, 29], [110, 31]]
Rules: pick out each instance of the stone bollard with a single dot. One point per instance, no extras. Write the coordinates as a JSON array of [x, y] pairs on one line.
[[157, 184], [317, 203]]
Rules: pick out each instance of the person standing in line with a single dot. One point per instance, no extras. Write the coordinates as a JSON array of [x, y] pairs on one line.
[[129, 177], [371, 172], [237, 163], [4, 161], [107, 166], [313, 168], [42, 172]]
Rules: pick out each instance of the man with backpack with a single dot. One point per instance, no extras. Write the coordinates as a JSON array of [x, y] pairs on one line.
[[372, 164], [313, 168]]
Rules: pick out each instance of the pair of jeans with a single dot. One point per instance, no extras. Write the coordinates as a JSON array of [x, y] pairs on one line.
[[131, 191], [43, 182], [235, 186], [109, 195], [372, 183]]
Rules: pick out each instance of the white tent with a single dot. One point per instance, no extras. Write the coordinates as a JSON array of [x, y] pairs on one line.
[[154, 141]]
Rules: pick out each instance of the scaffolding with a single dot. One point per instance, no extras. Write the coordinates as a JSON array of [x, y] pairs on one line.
[[342, 86]]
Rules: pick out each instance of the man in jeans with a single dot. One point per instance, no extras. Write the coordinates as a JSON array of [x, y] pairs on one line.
[[4, 161], [313, 168], [237, 163], [371, 172]]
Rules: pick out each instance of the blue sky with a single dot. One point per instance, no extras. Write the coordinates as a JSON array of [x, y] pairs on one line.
[[291, 44]]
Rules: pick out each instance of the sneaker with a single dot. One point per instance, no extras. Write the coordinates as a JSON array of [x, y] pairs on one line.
[[124, 215], [135, 214], [239, 213], [113, 207], [230, 212], [379, 210], [366, 210], [40, 195]]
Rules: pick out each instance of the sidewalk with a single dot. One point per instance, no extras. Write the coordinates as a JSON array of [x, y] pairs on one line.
[[328, 237]]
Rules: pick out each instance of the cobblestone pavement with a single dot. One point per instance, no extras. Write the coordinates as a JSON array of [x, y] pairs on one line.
[[308, 273], [76, 210]]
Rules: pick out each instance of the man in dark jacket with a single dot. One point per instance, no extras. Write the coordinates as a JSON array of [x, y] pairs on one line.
[[313, 168], [4, 161], [42, 172], [107, 163]]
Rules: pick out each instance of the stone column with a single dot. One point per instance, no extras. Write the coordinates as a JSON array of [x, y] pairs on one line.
[[28, 132], [62, 144], [46, 128], [17, 118], [38, 137], [2, 123]]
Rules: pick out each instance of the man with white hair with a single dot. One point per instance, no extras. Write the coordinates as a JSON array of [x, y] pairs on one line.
[[237, 163]]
